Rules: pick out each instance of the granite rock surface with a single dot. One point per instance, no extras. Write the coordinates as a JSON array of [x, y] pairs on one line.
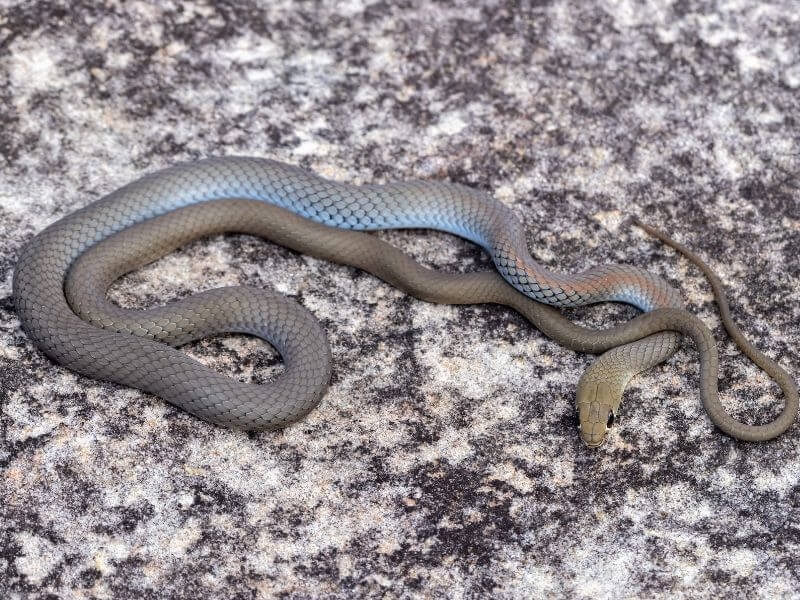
[[444, 461]]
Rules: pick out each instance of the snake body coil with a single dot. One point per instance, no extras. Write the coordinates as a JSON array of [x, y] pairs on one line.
[[169, 208]]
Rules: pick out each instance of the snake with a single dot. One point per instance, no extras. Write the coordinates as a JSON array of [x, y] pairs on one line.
[[63, 273]]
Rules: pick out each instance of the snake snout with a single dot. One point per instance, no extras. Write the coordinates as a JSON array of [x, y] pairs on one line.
[[594, 433]]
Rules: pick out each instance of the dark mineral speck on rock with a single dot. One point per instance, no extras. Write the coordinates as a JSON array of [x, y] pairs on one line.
[[444, 461]]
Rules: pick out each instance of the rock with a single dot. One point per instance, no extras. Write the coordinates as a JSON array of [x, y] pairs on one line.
[[444, 460]]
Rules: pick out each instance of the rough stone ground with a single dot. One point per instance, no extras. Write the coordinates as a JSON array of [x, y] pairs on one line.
[[444, 461]]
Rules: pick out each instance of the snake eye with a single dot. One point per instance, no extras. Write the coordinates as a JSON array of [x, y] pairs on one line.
[[610, 422]]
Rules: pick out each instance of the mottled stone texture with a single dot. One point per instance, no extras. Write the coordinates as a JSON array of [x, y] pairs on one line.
[[444, 460]]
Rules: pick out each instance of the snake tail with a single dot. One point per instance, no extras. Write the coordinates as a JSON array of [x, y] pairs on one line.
[[711, 401]]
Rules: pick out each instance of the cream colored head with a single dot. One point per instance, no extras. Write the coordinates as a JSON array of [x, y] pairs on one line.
[[597, 404]]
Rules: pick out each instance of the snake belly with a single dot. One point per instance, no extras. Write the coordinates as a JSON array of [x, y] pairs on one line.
[[141, 362]]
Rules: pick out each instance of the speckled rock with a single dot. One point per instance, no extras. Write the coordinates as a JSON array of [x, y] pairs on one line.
[[444, 460]]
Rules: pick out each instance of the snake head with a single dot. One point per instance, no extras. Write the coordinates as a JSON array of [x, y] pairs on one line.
[[597, 404]]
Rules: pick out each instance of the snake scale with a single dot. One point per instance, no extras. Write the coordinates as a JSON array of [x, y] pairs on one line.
[[63, 273]]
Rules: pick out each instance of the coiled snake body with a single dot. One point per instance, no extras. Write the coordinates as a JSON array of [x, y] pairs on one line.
[[65, 271]]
